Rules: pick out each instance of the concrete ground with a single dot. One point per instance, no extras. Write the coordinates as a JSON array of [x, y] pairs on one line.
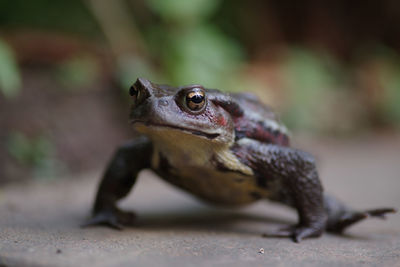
[[39, 222]]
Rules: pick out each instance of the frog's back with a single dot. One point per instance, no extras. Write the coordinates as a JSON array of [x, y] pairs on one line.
[[258, 121]]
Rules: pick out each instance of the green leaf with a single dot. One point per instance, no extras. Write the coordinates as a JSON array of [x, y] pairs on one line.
[[390, 79], [10, 78], [204, 56], [187, 10], [130, 67], [78, 71], [310, 77]]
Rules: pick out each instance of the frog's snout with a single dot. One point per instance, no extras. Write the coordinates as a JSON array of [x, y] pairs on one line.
[[142, 84], [144, 90], [140, 91]]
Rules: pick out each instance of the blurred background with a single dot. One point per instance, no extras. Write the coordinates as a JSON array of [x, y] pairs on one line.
[[330, 68]]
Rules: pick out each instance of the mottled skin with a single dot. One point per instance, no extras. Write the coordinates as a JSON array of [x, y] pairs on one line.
[[226, 149]]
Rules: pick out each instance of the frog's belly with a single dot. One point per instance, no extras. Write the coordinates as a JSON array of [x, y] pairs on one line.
[[217, 187], [189, 162]]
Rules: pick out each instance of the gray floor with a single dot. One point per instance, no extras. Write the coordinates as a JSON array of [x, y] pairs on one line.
[[39, 223]]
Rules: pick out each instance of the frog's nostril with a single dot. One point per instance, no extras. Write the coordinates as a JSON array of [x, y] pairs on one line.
[[140, 91], [163, 102], [144, 85]]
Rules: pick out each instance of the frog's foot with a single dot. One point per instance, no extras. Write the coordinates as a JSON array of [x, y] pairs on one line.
[[115, 219], [380, 213], [297, 232], [350, 218]]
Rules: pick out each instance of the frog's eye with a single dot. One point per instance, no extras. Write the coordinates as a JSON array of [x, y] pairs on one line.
[[195, 99], [134, 92]]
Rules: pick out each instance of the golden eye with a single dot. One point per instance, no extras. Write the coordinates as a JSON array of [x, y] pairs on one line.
[[195, 99]]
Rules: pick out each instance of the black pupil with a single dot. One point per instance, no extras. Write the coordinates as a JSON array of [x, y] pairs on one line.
[[197, 99], [133, 91]]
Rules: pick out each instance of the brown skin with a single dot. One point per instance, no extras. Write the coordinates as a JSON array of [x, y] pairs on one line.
[[226, 149]]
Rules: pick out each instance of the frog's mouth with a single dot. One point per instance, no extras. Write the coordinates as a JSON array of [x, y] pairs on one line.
[[194, 132]]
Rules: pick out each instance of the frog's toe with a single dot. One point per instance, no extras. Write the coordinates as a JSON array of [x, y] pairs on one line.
[[380, 213], [114, 219], [302, 232], [104, 218], [350, 218], [296, 232]]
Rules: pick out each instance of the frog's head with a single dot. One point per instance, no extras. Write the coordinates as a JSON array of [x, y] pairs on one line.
[[181, 111]]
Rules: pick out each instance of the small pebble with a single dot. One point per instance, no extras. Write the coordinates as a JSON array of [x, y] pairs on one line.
[[261, 251], [58, 251]]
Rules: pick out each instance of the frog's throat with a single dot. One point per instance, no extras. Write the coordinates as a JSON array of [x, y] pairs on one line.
[[185, 149]]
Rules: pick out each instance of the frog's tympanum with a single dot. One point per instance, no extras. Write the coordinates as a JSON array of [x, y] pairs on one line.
[[226, 149]]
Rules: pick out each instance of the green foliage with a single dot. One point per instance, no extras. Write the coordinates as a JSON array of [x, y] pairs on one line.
[[36, 153], [10, 79], [323, 98], [203, 55], [79, 71], [191, 49], [388, 74], [391, 105], [311, 77], [184, 11], [129, 68]]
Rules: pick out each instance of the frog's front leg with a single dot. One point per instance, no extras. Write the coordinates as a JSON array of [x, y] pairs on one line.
[[291, 177], [117, 181]]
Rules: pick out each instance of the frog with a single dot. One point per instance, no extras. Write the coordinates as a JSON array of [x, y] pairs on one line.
[[227, 149]]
